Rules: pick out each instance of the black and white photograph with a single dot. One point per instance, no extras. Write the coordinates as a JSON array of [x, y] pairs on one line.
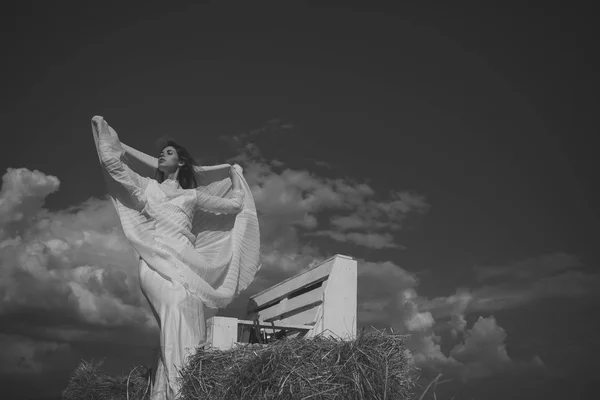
[[299, 200]]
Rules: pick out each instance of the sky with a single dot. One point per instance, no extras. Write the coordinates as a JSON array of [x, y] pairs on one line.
[[447, 149]]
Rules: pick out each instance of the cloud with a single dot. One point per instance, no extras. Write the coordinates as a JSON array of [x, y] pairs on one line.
[[480, 353], [555, 275], [503, 287], [380, 287], [483, 350], [532, 268], [388, 298], [66, 275], [370, 240], [22, 194], [292, 202]]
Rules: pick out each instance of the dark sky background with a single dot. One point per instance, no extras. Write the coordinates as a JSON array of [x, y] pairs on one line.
[[487, 111]]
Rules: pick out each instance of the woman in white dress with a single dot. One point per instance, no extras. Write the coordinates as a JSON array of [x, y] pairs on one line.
[[183, 286]]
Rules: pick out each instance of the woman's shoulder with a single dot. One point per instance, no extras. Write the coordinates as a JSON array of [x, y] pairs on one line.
[[152, 183]]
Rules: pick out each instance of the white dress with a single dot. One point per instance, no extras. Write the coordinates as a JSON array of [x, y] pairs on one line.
[[170, 211]]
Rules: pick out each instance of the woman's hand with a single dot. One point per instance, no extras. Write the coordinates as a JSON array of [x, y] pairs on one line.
[[101, 126], [235, 179]]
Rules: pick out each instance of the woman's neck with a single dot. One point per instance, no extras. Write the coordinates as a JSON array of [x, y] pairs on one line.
[[171, 176]]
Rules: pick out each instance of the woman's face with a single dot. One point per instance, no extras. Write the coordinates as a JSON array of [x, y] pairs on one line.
[[169, 160]]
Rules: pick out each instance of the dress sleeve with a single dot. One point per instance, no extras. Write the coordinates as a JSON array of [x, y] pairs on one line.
[[110, 151], [220, 205]]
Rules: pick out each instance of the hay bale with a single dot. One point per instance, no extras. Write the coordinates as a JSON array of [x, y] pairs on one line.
[[374, 366], [89, 382]]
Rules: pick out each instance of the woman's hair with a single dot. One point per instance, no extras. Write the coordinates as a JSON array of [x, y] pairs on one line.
[[186, 175]]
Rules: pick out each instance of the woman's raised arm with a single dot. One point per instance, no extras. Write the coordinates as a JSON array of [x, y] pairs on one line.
[[110, 150], [222, 205]]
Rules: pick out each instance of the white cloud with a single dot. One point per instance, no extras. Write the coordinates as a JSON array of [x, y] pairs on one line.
[[370, 240], [290, 201], [346, 222], [22, 194], [483, 351], [420, 321], [530, 268], [388, 298], [69, 271], [513, 285], [556, 275]]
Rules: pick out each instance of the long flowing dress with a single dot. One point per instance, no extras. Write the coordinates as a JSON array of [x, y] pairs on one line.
[[197, 250]]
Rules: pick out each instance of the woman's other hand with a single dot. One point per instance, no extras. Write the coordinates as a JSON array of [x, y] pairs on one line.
[[235, 179], [101, 126]]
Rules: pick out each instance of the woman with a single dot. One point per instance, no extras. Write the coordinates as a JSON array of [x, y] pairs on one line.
[[186, 273]]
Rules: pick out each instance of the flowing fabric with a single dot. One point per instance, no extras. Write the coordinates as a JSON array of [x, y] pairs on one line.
[[198, 248]]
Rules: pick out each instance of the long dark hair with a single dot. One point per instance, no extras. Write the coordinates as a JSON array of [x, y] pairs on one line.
[[186, 175]]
